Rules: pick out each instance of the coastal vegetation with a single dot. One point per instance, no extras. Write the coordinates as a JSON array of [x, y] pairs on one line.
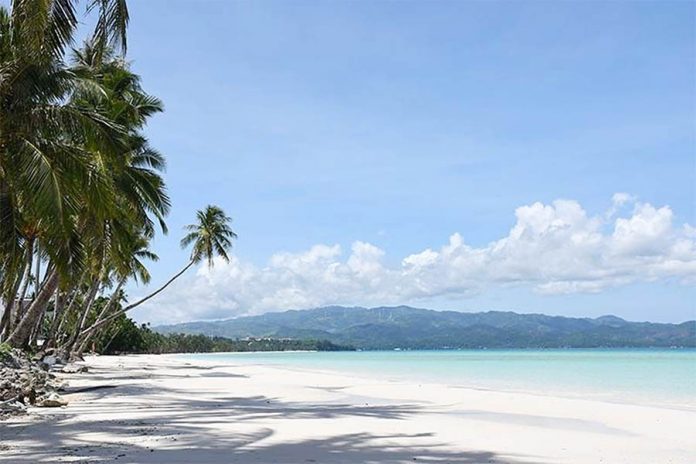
[[82, 192], [124, 336]]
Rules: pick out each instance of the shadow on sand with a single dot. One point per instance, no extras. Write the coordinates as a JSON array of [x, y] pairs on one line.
[[183, 429]]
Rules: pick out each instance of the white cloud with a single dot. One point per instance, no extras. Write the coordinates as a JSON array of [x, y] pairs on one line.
[[646, 233], [618, 201], [554, 249]]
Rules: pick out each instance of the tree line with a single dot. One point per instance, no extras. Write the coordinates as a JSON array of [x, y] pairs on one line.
[[82, 192], [123, 336], [128, 337]]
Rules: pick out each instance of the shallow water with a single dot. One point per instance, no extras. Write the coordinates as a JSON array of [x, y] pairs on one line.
[[649, 376]]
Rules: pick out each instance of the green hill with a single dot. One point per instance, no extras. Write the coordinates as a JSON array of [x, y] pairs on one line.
[[407, 327]]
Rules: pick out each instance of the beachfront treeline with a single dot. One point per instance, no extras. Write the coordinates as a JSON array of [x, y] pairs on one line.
[[125, 336], [82, 192]]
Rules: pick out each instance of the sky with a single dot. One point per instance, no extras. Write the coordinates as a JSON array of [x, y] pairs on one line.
[[526, 156]]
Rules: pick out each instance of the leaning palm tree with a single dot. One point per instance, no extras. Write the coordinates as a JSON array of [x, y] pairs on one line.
[[211, 237], [45, 144], [127, 264]]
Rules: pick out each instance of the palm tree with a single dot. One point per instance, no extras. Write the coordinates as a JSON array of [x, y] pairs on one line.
[[45, 142], [130, 265], [41, 165], [211, 236], [81, 189], [135, 193]]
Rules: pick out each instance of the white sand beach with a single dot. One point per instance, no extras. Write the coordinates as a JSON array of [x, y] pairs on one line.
[[162, 409]]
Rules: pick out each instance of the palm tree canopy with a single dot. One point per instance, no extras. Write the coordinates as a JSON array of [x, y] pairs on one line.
[[211, 235], [49, 136]]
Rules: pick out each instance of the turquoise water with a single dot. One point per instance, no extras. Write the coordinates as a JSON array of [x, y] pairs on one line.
[[651, 376]]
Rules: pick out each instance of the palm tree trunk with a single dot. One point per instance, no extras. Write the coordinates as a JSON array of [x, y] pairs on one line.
[[25, 287], [59, 335], [37, 281], [36, 333], [20, 336], [110, 318], [33, 338], [7, 316], [88, 306], [57, 318], [5, 323], [91, 295], [113, 337], [105, 310]]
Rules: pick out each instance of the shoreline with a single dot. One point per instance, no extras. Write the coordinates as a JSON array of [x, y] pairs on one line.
[[397, 379], [162, 408]]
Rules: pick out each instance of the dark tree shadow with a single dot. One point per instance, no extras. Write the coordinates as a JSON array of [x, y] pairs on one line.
[[184, 427], [353, 448], [182, 430], [186, 445]]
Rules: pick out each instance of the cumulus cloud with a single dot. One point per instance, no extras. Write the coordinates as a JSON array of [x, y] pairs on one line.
[[552, 248]]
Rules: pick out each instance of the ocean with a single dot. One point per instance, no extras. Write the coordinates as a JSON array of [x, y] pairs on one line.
[[664, 377]]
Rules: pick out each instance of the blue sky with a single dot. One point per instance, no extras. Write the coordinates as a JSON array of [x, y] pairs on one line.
[[398, 124]]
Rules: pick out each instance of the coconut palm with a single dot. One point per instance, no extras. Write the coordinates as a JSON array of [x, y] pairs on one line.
[[128, 264], [47, 143], [41, 166], [137, 189], [211, 236], [81, 189]]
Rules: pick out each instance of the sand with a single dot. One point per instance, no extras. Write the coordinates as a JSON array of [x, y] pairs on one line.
[[164, 409]]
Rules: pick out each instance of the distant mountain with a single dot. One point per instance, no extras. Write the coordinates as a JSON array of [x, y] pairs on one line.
[[406, 327]]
